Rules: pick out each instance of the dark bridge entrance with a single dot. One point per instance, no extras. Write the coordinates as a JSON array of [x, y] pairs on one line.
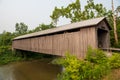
[[103, 38]]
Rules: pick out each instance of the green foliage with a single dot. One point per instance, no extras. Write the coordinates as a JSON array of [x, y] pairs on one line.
[[26, 55], [113, 44], [43, 27], [118, 9], [96, 56], [9, 57], [6, 54], [6, 38], [95, 67], [5, 49], [91, 10], [21, 28], [110, 19], [74, 13], [115, 61]]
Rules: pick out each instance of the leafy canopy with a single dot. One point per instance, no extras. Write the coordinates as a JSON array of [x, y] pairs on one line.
[[74, 13], [21, 28]]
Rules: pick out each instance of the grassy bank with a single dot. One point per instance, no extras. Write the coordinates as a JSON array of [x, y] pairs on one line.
[[96, 66], [8, 56]]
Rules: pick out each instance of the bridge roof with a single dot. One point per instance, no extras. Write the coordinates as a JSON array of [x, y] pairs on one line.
[[82, 24]]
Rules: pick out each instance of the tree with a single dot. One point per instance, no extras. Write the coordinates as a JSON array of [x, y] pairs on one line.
[[43, 27], [118, 25], [114, 23], [6, 38], [110, 20], [74, 13], [117, 10], [93, 10], [21, 28]]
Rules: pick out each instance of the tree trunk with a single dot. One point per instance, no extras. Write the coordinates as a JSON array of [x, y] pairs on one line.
[[114, 24]]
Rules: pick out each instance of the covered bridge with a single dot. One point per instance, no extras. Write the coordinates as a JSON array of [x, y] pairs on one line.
[[74, 38]]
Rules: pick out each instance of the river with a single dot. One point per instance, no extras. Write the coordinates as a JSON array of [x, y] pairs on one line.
[[29, 70]]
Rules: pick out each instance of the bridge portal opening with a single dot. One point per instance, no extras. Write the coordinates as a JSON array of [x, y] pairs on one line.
[[102, 38]]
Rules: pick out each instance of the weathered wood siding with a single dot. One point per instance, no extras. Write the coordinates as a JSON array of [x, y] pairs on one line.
[[74, 38], [75, 42]]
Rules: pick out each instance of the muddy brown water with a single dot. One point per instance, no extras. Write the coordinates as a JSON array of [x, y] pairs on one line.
[[30, 70]]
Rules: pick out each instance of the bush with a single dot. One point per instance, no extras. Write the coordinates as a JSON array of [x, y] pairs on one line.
[[96, 56], [95, 67], [5, 49], [114, 61], [7, 55], [71, 65]]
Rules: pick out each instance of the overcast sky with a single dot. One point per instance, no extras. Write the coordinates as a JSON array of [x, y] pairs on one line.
[[34, 12]]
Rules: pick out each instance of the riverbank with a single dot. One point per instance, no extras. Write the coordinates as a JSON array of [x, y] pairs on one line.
[[11, 57], [8, 58], [104, 67]]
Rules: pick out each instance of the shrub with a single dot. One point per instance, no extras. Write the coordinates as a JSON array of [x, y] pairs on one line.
[[95, 67], [7, 55], [5, 49], [96, 56], [71, 65], [114, 61]]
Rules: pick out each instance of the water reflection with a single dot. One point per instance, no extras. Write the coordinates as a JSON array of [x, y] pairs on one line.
[[32, 70], [6, 73]]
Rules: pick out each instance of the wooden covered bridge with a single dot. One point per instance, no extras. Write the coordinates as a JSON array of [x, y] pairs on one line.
[[74, 37]]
